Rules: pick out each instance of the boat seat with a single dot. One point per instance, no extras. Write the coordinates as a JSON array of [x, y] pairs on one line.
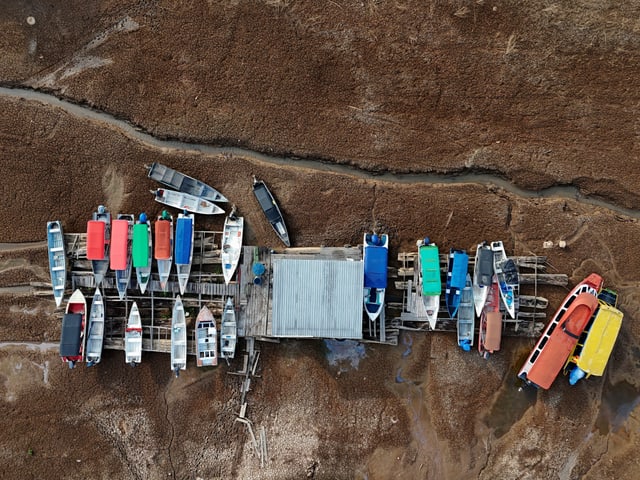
[[58, 269], [57, 249]]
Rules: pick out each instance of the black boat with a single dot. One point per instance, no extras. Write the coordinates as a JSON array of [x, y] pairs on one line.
[[271, 210]]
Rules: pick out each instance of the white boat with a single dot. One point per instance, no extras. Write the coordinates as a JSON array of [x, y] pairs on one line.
[[206, 339], [183, 255], [482, 276], [74, 330], [120, 257], [507, 273], [178, 338], [231, 245], [57, 260], [142, 251], [228, 331], [375, 253], [163, 247], [98, 238], [184, 183], [95, 330], [133, 337], [429, 280], [184, 201], [466, 318]]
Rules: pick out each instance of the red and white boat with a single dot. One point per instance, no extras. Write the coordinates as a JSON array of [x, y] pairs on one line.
[[74, 330], [98, 238], [561, 334], [163, 247], [490, 330]]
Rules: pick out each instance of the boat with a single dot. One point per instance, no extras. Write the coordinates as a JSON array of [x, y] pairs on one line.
[[457, 268], [206, 339], [178, 338], [95, 335], [120, 258], [466, 317], [184, 201], [184, 183], [591, 354], [429, 281], [561, 334], [375, 254], [271, 210], [73, 330], [490, 330], [231, 245], [98, 237], [57, 260], [142, 251], [228, 331], [482, 276], [183, 254], [163, 247], [507, 272], [133, 337]]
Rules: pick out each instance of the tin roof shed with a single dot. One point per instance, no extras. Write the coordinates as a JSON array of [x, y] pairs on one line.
[[317, 297]]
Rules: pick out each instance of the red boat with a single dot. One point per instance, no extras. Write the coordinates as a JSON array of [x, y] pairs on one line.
[[74, 330], [490, 330], [561, 334]]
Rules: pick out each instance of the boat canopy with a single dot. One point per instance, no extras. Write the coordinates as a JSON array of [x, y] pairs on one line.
[[184, 234], [459, 269], [95, 239], [493, 334], [430, 266], [600, 340], [266, 201], [485, 266], [140, 249], [162, 246], [119, 244], [375, 267], [70, 341]]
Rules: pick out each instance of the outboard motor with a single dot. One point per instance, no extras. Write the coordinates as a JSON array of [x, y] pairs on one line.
[[375, 239], [576, 375], [143, 217]]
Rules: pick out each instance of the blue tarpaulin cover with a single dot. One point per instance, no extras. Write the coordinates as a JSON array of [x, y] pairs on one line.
[[375, 267], [184, 230], [70, 335]]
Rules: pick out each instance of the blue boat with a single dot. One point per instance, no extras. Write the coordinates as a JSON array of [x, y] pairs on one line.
[[375, 256], [184, 248], [457, 268], [57, 260]]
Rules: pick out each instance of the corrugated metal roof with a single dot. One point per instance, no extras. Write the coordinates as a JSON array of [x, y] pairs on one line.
[[318, 298]]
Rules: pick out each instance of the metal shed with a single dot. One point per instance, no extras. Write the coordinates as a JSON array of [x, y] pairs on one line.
[[317, 297]]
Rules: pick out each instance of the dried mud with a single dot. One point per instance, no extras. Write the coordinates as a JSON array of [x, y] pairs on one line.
[[537, 94]]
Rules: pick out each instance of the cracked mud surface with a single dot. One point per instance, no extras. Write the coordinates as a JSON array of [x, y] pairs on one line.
[[537, 94]]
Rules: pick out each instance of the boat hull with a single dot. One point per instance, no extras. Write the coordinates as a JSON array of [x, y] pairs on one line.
[[184, 183], [121, 237], [375, 254], [133, 337], [429, 281], [95, 330], [142, 253], [231, 246], [457, 267], [271, 210], [98, 239], [482, 276], [503, 266], [183, 255], [178, 338], [466, 318], [184, 201], [228, 331], [206, 339], [74, 330], [163, 247], [57, 260], [490, 329]]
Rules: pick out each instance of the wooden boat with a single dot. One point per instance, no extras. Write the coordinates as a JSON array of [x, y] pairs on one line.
[[429, 281], [57, 260], [183, 254], [206, 339], [178, 338], [73, 330], [457, 268], [375, 254], [591, 354], [184, 201], [120, 258], [98, 238], [95, 330], [271, 210], [183, 183], [490, 330], [482, 276], [133, 337], [163, 247], [228, 331], [466, 317], [231, 245], [142, 251], [507, 272], [561, 334]]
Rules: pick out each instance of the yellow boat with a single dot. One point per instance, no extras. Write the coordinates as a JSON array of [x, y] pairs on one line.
[[592, 352]]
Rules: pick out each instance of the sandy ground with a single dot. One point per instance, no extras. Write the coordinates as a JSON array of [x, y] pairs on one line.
[[535, 96]]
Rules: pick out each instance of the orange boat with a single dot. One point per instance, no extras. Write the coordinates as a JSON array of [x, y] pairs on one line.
[[561, 334], [98, 234], [490, 330], [163, 246]]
